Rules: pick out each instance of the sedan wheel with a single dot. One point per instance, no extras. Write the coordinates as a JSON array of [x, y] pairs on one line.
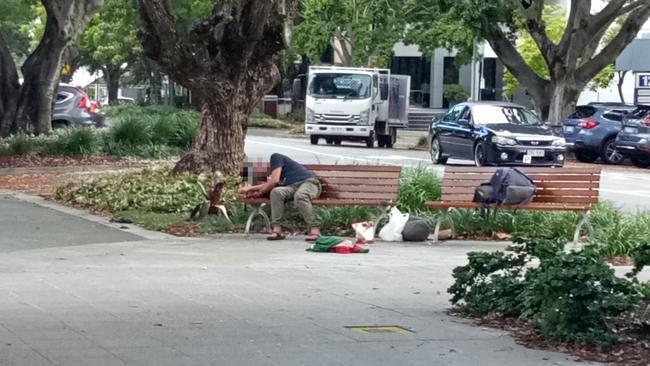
[[610, 154], [480, 158], [436, 152]]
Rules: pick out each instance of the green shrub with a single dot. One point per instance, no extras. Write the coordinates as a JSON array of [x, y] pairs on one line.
[[263, 121], [571, 295], [455, 93], [154, 190], [73, 141], [20, 144], [641, 256], [568, 295], [132, 131], [416, 187], [489, 282], [614, 233]]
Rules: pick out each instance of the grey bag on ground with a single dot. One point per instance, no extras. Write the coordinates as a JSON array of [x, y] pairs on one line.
[[416, 229]]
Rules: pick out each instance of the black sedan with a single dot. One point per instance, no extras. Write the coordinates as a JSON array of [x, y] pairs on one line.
[[495, 133]]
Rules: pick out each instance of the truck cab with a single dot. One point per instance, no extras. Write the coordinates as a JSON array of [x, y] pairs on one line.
[[352, 104]]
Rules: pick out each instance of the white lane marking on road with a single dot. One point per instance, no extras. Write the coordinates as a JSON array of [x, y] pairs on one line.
[[369, 159]]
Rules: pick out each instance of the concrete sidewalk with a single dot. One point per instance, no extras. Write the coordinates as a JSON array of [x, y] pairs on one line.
[[116, 298]]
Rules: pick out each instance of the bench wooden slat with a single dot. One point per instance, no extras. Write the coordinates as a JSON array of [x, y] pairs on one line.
[[357, 188], [316, 168], [536, 177], [530, 206], [326, 202], [380, 182], [550, 184], [540, 191], [359, 174], [527, 170]]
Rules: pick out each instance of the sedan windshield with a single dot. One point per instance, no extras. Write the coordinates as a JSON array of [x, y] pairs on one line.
[[336, 85], [493, 114]]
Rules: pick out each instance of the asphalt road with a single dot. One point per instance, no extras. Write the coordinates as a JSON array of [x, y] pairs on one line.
[[628, 189]]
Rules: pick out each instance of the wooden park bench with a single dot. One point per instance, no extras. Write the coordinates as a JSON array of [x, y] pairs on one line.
[[558, 189], [343, 185]]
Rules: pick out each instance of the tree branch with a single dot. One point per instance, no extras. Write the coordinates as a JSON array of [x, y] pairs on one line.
[[515, 63], [608, 55], [537, 30], [580, 11]]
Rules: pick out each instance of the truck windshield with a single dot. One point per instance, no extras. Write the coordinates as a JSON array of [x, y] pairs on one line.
[[337, 85]]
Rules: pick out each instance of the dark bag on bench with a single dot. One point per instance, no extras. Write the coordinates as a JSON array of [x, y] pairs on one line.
[[512, 187]]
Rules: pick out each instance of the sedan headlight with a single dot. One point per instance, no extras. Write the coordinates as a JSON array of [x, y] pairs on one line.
[[309, 116], [502, 140], [559, 142], [365, 117]]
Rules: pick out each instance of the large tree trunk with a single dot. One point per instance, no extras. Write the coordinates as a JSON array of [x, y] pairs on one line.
[[228, 63], [112, 75], [563, 99], [9, 88], [32, 111]]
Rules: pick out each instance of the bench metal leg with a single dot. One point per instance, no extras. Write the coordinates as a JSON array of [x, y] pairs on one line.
[[583, 221], [436, 231], [259, 211], [223, 210]]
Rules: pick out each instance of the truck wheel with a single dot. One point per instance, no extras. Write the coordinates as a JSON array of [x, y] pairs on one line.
[[329, 141], [370, 140], [610, 154], [337, 141], [585, 156], [313, 139]]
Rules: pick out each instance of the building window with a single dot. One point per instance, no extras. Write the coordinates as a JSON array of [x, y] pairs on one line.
[[451, 74]]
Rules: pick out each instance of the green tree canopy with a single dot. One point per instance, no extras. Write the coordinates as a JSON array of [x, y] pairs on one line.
[[370, 28]]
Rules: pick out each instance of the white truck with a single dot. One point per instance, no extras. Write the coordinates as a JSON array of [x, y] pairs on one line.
[[355, 104]]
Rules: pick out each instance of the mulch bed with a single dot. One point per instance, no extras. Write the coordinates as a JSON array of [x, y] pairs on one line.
[[35, 160], [42, 184], [523, 330]]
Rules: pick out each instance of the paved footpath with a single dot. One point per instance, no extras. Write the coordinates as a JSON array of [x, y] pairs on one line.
[[74, 291]]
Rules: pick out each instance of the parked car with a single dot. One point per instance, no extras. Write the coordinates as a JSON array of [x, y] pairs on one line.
[[495, 133], [74, 108], [634, 139], [591, 131]]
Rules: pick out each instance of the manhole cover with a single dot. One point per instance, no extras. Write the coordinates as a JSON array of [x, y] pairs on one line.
[[363, 329]]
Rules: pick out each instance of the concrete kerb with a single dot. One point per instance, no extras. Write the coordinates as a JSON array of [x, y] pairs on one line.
[[127, 228]]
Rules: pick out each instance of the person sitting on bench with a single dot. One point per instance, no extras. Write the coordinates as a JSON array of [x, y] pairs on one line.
[[288, 180]]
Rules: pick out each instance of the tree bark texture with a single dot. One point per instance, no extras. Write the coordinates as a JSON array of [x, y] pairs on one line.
[[34, 99], [619, 84], [9, 88], [228, 63], [576, 59], [112, 75]]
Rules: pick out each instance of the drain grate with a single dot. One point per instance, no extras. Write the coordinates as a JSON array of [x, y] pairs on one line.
[[372, 329]]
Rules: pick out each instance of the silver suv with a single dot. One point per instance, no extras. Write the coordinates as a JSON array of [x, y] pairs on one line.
[[74, 108]]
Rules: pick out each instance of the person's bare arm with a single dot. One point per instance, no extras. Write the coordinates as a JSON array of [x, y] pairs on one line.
[[261, 189]]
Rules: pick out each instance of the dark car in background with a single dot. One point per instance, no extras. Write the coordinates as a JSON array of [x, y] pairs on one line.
[[634, 139], [73, 107], [495, 133], [591, 131]]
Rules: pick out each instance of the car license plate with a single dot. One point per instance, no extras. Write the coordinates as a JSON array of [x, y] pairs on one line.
[[569, 129], [528, 159], [336, 129], [535, 153], [631, 130]]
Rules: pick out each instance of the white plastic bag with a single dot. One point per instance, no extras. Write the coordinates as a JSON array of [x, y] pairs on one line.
[[393, 230]]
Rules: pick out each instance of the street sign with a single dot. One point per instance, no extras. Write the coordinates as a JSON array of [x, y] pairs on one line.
[[642, 88], [643, 81]]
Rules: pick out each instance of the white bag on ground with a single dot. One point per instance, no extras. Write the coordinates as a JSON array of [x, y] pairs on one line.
[[393, 230]]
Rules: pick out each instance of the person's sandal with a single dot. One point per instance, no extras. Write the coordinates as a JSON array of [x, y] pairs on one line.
[[276, 236]]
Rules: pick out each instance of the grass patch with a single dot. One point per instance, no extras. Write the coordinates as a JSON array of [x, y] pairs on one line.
[[263, 121], [150, 220], [418, 186]]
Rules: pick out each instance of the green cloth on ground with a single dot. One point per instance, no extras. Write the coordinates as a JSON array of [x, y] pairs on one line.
[[325, 243]]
